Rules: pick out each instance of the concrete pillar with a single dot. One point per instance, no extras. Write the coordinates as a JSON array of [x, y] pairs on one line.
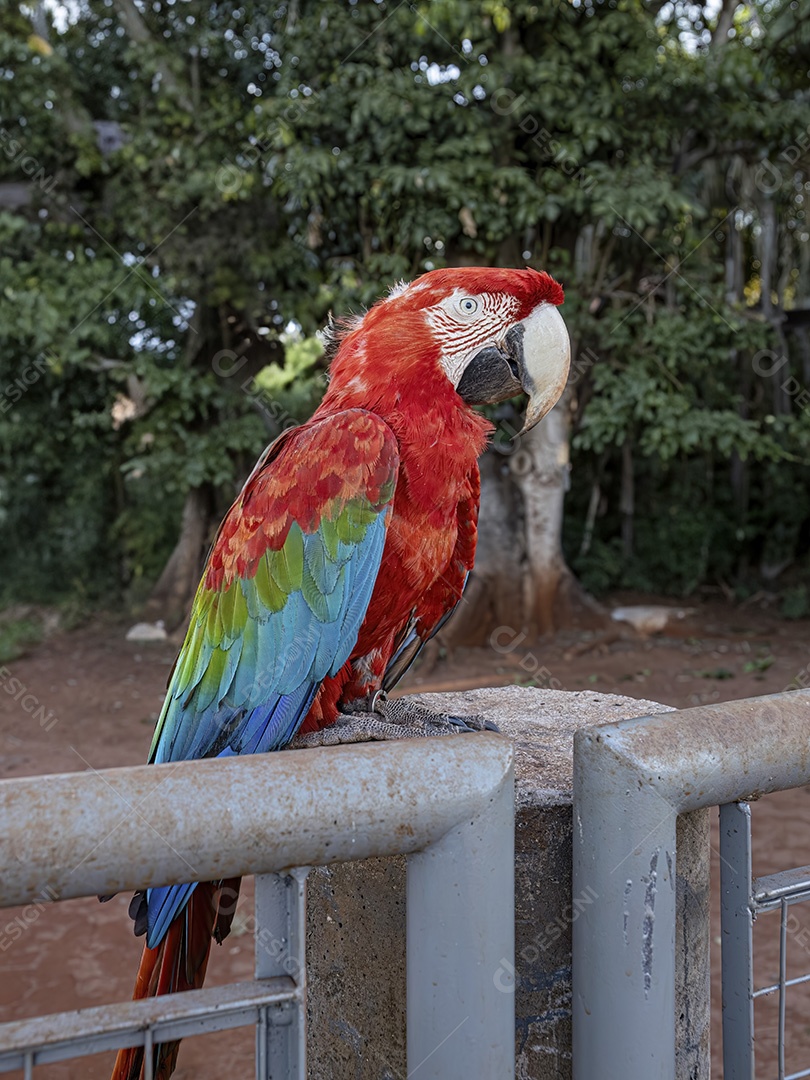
[[356, 912]]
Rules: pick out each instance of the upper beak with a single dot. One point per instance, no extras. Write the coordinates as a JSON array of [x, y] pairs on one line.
[[533, 357], [544, 355]]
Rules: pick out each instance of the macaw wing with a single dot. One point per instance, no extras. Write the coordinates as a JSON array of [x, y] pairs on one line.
[[412, 640], [279, 608]]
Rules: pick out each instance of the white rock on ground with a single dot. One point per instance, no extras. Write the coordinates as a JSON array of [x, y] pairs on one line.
[[144, 631]]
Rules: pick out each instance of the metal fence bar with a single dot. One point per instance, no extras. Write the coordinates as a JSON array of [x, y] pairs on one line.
[[92, 833], [631, 780], [782, 989], [280, 950], [736, 932], [449, 800], [764, 991], [148, 1055], [452, 888], [624, 944], [111, 1027], [793, 884], [743, 899]]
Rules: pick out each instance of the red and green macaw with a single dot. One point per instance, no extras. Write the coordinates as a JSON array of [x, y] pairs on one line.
[[349, 544]]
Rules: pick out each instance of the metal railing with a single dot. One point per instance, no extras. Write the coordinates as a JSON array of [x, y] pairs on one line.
[[743, 898], [631, 781], [448, 804]]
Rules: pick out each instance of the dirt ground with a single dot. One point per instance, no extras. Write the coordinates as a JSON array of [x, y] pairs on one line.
[[100, 695]]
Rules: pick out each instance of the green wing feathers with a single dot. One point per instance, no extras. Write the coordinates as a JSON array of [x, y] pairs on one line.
[[285, 589]]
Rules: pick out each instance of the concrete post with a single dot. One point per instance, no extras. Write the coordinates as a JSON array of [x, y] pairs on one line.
[[356, 912]]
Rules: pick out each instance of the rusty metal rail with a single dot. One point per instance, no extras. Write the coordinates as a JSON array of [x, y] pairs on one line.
[[631, 780], [445, 803]]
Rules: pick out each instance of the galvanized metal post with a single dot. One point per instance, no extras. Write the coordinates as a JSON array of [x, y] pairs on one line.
[[296, 808], [308, 807], [460, 941], [623, 943], [280, 950], [631, 780], [736, 926]]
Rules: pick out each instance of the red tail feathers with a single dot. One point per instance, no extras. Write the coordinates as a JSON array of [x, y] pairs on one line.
[[179, 963]]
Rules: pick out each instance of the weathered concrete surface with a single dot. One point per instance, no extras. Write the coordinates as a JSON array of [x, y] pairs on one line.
[[356, 912]]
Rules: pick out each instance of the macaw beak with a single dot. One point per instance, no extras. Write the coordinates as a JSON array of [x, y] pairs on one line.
[[533, 357], [543, 361]]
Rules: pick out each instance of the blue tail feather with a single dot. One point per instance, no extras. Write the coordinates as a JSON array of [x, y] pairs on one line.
[[267, 727], [163, 905]]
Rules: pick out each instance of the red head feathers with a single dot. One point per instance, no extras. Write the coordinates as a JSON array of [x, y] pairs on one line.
[[476, 333]]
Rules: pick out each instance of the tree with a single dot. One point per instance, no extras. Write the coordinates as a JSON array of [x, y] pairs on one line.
[[199, 185]]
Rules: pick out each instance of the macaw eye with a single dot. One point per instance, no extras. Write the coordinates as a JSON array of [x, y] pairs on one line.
[[468, 305]]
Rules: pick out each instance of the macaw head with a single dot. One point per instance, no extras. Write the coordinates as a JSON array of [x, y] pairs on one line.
[[490, 333]]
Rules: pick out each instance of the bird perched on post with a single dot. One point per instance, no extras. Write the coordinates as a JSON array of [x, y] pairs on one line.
[[349, 544]]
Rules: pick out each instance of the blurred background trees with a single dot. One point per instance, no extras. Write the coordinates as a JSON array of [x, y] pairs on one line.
[[187, 189]]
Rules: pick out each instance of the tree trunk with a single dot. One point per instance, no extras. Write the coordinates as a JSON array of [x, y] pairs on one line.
[[725, 22], [520, 581], [174, 591], [539, 469], [627, 505]]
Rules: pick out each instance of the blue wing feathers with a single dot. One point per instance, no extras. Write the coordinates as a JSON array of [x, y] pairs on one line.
[[245, 675], [250, 692]]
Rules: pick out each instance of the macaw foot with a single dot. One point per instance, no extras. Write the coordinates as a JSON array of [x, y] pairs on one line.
[[400, 719]]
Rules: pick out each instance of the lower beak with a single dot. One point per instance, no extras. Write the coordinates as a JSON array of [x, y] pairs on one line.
[[543, 361]]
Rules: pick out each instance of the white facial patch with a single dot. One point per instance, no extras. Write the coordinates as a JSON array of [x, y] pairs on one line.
[[464, 324]]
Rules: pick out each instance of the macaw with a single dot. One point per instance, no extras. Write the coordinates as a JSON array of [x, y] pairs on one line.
[[348, 546]]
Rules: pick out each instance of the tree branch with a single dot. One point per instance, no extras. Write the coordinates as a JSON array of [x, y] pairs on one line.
[[725, 23], [689, 160], [138, 32]]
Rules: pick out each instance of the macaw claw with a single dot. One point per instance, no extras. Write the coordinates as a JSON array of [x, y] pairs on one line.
[[471, 723], [399, 719], [406, 712]]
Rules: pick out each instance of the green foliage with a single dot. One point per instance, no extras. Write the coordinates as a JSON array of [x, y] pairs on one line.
[[714, 673], [290, 392], [759, 665], [602, 568], [17, 635], [191, 186], [796, 602]]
